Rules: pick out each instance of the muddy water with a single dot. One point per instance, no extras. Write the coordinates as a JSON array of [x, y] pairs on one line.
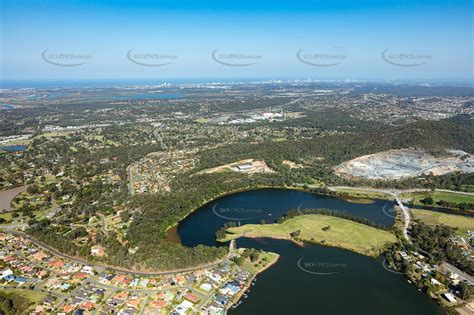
[[6, 196]]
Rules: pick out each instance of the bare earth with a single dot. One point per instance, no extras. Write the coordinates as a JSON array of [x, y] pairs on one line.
[[258, 166], [395, 164]]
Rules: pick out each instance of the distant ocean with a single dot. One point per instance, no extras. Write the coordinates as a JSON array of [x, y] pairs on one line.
[[113, 83], [52, 84]]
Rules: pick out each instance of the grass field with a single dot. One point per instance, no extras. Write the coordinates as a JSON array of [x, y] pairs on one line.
[[265, 259], [437, 196], [342, 233], [352, 193], [39, 215], [33, 296], [433, 218]]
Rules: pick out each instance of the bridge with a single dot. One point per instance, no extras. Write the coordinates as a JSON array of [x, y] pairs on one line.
[[395, 195]]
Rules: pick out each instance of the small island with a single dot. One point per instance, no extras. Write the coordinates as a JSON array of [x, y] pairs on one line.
[[323, 230]]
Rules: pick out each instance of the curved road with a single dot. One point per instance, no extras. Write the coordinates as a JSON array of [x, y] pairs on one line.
[[117, 269]]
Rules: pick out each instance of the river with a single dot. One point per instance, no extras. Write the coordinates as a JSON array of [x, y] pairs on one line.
[[311, 279], [6, 196]]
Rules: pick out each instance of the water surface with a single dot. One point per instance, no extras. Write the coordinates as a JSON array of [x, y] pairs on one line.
[[311, 279]]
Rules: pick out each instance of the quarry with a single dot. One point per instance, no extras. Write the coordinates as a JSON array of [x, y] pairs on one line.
[[403, 163]]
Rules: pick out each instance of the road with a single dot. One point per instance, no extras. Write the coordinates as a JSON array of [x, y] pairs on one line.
[[117, 269], [406, 217], [395, 195], [103, 223], [462, 275], [398, 191]]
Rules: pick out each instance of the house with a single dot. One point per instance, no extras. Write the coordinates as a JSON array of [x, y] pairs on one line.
[[206, 287], [121, 296], [39, 255], [191, 297], [87, 305], [68, 308], [133, 303], [449, 297], [180, 279], [98, 251], [6, 273], [79, 276], [158, 304], [183, 308], [118, 278], [88, 269], [435, 282], [56, 263], [49, 301]]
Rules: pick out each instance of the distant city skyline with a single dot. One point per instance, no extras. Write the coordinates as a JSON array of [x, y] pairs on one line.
[[406, 41]]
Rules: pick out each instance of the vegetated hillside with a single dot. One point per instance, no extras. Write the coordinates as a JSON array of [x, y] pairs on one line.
[[13, 303], [331, 119], [429, 135], [433, 136], [463, 119]]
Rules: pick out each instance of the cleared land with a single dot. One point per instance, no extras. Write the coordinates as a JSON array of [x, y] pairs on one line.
[[363, 194], [341, 233], [463, 223], [33, 296], [395, 164], [244, 166], [291, 164], [417, 196]]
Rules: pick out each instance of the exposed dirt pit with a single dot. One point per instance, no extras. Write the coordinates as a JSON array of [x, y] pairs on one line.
[[395, 164]]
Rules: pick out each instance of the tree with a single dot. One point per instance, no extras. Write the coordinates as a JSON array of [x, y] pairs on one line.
[[427, 201], [465, 290], [295, 234]]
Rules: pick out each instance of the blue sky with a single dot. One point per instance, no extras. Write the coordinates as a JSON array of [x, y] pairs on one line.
[[355, 40]]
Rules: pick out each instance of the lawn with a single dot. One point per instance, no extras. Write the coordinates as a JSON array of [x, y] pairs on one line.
[[437, 196], [264, 260], [353, 193], [342, 233], [433, 218], [39, 215], [33, 296]]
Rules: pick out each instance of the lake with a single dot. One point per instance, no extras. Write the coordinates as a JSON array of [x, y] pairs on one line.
[[13, 148], [311, 279], [146, 96]]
